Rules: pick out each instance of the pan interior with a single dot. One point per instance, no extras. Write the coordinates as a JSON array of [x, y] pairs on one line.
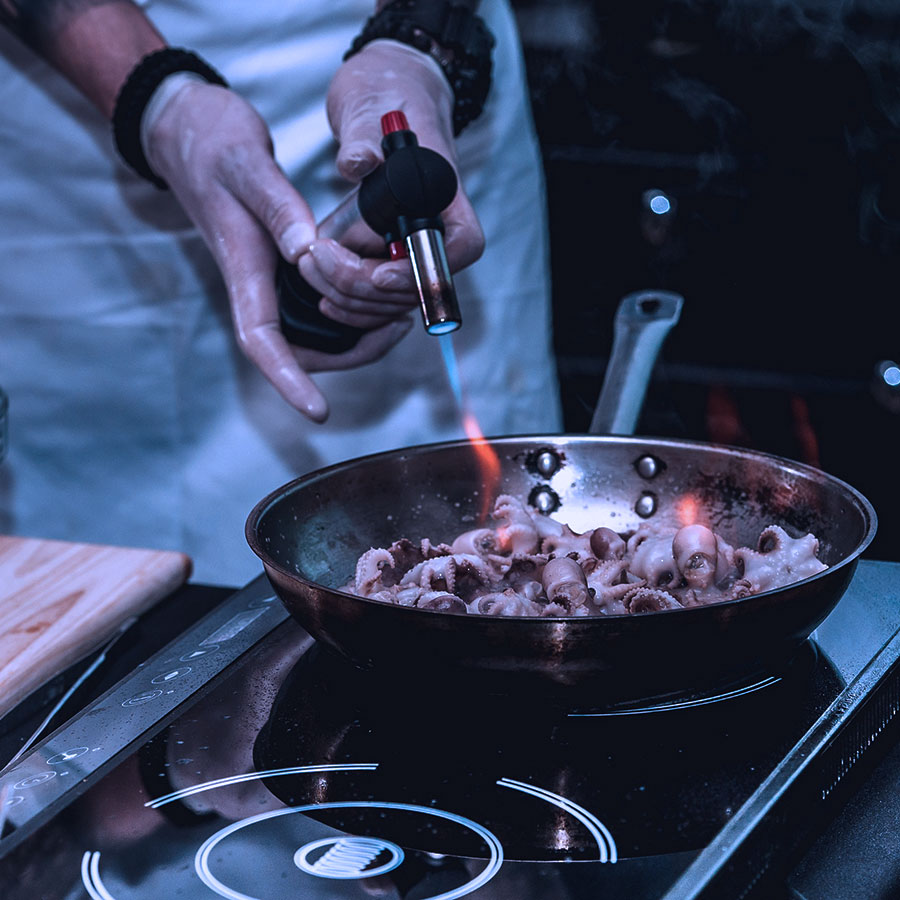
[[318, 526]]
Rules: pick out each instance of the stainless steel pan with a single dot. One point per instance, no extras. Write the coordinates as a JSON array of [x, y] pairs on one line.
[[310, 532]]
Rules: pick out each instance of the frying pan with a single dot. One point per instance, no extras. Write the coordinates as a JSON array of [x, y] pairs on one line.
[[310, 532]]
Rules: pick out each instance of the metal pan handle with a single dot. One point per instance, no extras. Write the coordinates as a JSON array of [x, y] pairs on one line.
[[643, 320]]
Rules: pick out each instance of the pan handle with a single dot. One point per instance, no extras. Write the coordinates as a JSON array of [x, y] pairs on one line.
[[643, 320]]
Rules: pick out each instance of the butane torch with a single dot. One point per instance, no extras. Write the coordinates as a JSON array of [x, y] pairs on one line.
[[402, 200]]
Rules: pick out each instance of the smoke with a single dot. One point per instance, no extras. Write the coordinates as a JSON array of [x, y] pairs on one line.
[[860, 39], [734, 79], [866, 32]]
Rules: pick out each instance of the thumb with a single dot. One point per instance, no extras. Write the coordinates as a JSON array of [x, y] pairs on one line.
[[355, 107]]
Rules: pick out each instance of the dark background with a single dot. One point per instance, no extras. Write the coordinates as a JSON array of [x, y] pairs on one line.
[[772, 128]]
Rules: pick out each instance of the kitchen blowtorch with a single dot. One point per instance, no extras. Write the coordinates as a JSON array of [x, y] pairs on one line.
[[401, 200]]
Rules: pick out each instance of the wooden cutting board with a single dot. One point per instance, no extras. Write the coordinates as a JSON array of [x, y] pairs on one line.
[[60, 600]]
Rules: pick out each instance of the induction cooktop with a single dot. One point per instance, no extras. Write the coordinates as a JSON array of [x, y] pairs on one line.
[[245, 760]]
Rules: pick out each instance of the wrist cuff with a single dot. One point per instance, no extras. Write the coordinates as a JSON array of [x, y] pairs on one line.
[[453, 35], [135, 94]]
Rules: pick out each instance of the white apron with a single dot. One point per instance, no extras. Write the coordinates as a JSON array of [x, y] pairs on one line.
[[134, 418]]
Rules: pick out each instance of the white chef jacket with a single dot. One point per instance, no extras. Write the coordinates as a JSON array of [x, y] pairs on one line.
[[134, 418]]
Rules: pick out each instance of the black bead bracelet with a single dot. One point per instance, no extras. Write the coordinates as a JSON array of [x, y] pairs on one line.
[[452, 35], [135, 94]]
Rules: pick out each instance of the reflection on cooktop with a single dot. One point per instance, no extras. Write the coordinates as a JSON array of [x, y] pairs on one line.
[[551, 784]]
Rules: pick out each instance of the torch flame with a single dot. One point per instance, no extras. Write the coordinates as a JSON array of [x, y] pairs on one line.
[[687, 510], [488, 463]]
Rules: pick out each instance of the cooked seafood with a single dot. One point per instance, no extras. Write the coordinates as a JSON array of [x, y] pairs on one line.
[[532, 565]]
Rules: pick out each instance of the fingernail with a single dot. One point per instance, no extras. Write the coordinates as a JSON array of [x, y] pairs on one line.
[[311, 403], [356, 160], [316, 409], [324, 256], [296, 238]]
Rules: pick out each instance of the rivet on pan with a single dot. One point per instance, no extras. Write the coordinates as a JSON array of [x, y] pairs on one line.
[[544, 499], [648, 467], [547, 463], [646, 505]]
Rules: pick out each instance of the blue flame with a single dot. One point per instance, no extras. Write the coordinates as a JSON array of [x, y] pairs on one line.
[[452, 367]]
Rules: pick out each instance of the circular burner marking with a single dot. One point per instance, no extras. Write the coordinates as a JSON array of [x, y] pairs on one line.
[[252, 776], [201, 860], [90, 876], [665, 706], [601, 834], [348, 857]]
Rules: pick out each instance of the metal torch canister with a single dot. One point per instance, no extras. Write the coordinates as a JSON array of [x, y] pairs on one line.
[[401, 200], [437, 294]]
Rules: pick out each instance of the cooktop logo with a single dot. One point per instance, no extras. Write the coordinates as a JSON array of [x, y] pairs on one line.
[[348, 857]]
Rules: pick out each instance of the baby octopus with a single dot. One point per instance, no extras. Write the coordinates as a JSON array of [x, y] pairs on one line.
[[532, 565]]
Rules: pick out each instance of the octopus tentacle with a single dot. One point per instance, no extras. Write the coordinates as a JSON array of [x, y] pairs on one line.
[[430, 551], [438, 573], [779, 560], [607, 581], [566, 542], [516, 530], [472, 573], [369, 571], [505, 603], [648, 599]]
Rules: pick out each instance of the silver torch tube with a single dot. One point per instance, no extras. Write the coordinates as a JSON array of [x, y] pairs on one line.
[[437, 295]]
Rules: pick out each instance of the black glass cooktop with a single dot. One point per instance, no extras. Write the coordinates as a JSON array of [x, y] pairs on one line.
[[246, 761]]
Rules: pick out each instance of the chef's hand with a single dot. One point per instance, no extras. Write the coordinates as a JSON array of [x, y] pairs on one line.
[[360, 288], [215, 153]]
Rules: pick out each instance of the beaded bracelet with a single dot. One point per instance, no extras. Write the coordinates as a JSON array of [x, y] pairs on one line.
[[135, 94], [451, 34]]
